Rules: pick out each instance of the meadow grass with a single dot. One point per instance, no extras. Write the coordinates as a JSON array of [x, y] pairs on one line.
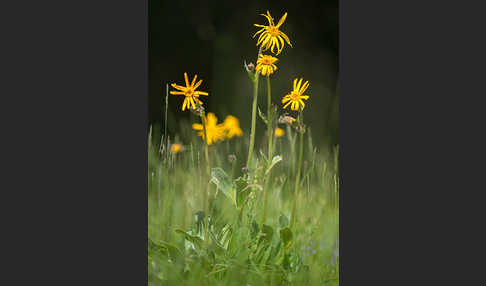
[[237, 250]]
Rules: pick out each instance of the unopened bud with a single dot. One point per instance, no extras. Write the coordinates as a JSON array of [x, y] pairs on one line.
[[198, 110], [244, 170], [251, 66], [231, 158], [285, 119]]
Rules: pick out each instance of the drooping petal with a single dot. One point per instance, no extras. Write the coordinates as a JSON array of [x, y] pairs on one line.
[[259, 31], [266, 39], [285, 37], [293, 105], [184, 104], [301, 102]]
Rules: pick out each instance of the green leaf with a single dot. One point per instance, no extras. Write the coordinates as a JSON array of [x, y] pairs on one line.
[[262, 116], [275, 160], [283, 221], [286, 236], [222, 182], [196, 241], [267, 232], [242, 192], [174, 253], [156, 250]]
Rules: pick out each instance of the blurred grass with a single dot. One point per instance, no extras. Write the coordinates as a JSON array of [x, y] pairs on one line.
[[176, 186]]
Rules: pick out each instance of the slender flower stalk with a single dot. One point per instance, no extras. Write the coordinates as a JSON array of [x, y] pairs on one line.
[[208, 173], [253, 115], [299, 165], [270, 149]]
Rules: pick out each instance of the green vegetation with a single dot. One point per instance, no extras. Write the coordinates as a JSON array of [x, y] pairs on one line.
[[236, 248]]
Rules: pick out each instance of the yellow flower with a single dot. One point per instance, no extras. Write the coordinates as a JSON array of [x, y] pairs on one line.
[[265, 64], [279, 132], [214, 130], [232, 126], [175, 148], [295, 97], [189, 91], [270, 35]]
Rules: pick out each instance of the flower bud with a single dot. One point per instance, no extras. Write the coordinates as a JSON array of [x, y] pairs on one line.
[[285, 119]]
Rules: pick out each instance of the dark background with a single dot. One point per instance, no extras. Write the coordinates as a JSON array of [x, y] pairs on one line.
[[214, 38]]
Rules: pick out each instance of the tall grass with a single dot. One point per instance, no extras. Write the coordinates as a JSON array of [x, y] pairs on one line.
[[237, 249]]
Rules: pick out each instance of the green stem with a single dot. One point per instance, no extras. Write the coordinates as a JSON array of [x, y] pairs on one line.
[[208, 173], [269, 120], [299, 164], [253, 116], [270, 149]]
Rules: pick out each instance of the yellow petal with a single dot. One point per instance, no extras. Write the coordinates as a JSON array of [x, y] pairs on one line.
[[197, 126], [298, 84], [285, 37], [176, 92], [285, 99], [212, 119], [285, 106], [198, 84], [186, 79], [295, 83], [194, 80], [259, 31], [304, 97], [184, 104], [179, 87], [201, 92], [301, 102], [282, 20], [304, 87]]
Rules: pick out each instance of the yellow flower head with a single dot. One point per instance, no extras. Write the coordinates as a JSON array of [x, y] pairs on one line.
[[232, 126], [295, 97], [265, 64], [189, 91], [214, 130], [270, 35], [279, 132], [175, 148]]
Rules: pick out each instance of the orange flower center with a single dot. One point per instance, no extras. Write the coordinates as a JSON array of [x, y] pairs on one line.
[[189, 92], [272, 30], [294, 95], [267, 61]]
